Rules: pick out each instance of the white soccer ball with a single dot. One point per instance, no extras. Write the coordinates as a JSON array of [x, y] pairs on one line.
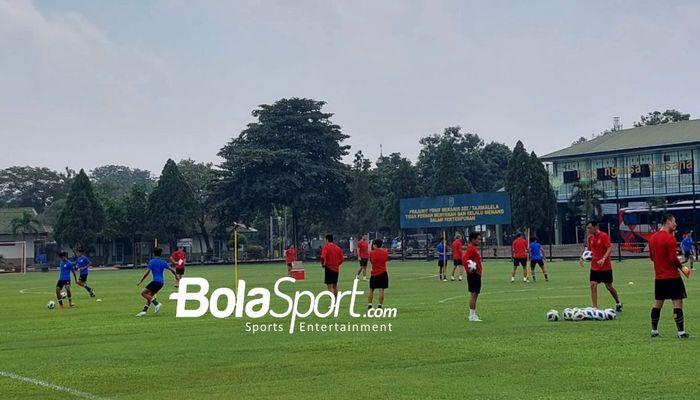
[[587, 255], [180, 262], [578, 315], [471, 265], [610, 314], [568, 314], [589, 313], [51, 305], [599, 315], [552, 315]]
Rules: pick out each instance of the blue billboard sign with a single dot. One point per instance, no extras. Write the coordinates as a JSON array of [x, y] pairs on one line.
[[490, 208]]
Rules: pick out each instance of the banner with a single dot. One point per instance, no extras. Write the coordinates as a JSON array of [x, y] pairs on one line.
[[490, 208]]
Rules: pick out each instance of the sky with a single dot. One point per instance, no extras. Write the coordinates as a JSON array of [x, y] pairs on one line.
[[89, 83]]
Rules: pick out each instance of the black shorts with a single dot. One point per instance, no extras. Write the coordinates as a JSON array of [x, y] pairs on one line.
[[457, 263], [474, 283], [363, 262], [180, 271], [379, 282], [673, 289], [330, 277], [520, 261], [441, 263], [83, 278], [60, 284], [536, 262], [601, 276], [154, 287]]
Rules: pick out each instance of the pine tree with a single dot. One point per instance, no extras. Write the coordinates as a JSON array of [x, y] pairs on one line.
[[82, 218]]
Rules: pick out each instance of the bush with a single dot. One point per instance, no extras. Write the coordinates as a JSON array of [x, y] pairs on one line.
[[254, 251]]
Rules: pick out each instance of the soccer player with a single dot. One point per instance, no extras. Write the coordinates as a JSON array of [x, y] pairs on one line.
[[291, 256], [65, 268], [379, 278], [687, 247], [156, 266], [519, 249], [362, 252], [331, 259], [442, 260], [457, 256], [473, 277], [601, 267], [668, 283], [537, 258], [178, 259], [83, 265]]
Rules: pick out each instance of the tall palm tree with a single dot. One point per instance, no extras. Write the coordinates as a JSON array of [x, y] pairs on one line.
[[586, 199], [25, 224]]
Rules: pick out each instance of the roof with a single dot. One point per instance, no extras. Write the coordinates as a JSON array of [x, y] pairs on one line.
[[8, 214], [644, 137]]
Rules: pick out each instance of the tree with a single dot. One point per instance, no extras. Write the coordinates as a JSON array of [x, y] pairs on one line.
[[290, 157], [25, 224], [517, 186], [580, 140], [32, 187], [200, 177], [586, 200], [532, 197], [495, 157], [82, 218], [114, 181], [171, 206], [541, 193], [657, 118], [443, 162], [394, 178], [360, 216], [51, 213]]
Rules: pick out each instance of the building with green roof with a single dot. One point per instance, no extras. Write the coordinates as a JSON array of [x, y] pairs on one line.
[[630, 166]]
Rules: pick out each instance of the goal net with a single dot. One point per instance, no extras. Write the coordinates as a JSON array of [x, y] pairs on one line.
[[13, 257]]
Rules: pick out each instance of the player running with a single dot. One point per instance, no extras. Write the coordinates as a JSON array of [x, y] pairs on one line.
[[156, 266], [178, 259], [601, 266], [65, 268], [442, 261], [379, 278], [362, 253], [519, 249], [82, 264], [668, 283], [537, 258], [457, 256], [472, 257], [688, 250], [331, 259], [290, 255]]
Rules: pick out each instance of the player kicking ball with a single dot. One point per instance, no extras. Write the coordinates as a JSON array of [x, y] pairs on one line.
[[66, 267], [83, 265], [156, 266]]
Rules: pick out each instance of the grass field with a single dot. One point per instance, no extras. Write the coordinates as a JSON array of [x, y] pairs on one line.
[[101, 350]]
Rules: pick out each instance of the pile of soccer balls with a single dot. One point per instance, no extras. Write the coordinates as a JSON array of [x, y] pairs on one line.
[[582, 314]]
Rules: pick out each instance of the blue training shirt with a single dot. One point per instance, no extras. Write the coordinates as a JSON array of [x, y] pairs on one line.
[[66, 267], [535, 251], [157, 266], [687, 245], [82, 262], [441, 249]]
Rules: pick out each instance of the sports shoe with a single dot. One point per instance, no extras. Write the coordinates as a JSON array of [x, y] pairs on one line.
[[684, 335], [618, 307], [364, 278], [156, 308], [534, 280], [525, 280], [357, 277], [512, 280], [141, 314], [460, 278], [452, 278], [474, 318], [92, 294], [654, 333], [72, 305], [444, 279]]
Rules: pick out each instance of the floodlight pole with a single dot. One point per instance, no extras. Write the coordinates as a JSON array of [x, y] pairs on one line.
[[617, 218], [235, 259], [695, 221]]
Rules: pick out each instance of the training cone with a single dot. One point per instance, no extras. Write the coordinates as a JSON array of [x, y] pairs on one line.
[[686, 271]]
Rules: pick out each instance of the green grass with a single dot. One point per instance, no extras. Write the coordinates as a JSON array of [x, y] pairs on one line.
[[433, 352]]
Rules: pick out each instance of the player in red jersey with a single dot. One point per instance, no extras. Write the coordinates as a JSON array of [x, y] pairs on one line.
[[331, 259], [362, 253], [519, 249], [457, 256], [291, 256], [601, 266], [472, 262], [178, 260], [379, 278], [668, 283]]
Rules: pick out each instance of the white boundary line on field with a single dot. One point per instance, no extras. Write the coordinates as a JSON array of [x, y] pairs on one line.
[[33, 291], [466, 294], [49, 385]]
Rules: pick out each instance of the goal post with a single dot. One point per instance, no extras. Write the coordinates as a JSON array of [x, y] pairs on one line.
[[13, 258]]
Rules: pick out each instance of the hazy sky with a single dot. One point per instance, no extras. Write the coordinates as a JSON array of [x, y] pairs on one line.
[[88, 83]]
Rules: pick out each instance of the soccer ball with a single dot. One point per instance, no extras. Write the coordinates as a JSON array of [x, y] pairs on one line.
[[587, 255], [578, 315], [599, 315], [471, 265], [51, 305], [552, 315], [610, 314], [568, 314], [589, 313]]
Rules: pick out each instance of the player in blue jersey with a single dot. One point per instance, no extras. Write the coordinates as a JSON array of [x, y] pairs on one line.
[[65, 268], [82, 264], [537, 258], [442, 259], [687, 247], [156, 266]]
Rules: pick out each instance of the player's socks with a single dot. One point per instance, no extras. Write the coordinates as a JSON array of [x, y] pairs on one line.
[[678, 317], [60, 302], [145, 308], [533, 278], [546, 278], [655, 316], [155, 302], [512, 279]]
